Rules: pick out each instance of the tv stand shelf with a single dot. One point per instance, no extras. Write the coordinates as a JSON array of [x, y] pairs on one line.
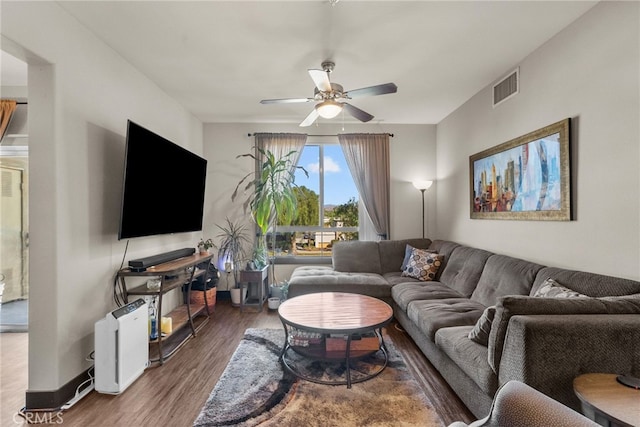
[[187, 319]]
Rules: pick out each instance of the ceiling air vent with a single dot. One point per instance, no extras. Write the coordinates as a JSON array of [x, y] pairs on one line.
[[507, 87]]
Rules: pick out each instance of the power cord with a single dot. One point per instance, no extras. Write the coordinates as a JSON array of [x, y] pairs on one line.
[[80, 393], [118, 290]]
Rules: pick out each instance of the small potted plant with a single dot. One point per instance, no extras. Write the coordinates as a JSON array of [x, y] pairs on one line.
[[204, 246], [233, 239]]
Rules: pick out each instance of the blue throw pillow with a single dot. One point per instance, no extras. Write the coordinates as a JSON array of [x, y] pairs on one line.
[[407, 254]]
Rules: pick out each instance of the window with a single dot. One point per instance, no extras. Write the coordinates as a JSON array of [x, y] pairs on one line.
[[327, 204]]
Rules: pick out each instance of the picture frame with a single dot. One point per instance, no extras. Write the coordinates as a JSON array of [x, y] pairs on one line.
[[527, 178]]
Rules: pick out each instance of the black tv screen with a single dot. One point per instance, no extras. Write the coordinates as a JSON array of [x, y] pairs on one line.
[[163, 189]]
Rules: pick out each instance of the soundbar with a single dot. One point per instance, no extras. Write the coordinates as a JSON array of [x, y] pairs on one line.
[[141, 264]]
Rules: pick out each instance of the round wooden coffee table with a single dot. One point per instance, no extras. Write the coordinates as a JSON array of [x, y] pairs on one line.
[[606, 401], [334, 326]]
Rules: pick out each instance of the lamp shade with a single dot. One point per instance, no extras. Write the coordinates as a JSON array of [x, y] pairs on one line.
[[329, 109], [422, 185]]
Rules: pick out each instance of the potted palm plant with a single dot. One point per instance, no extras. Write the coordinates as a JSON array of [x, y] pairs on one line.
[[273, 196], [233, 241]]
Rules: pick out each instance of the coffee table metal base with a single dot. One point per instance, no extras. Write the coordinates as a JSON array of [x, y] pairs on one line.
[[321, 355]]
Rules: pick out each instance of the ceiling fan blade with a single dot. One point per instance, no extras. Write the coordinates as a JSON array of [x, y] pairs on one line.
[[373, 90], [313, 115], [321, 79], [286, 100], [363, 116]]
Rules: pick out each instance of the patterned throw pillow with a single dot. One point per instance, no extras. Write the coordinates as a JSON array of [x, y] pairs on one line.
[[482, 329], [422, 265], [407, 254], [552, 289]]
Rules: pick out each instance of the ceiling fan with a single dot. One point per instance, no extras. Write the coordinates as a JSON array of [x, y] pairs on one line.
[[330, 97]]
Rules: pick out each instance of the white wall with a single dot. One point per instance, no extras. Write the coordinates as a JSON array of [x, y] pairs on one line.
[[413, 156], [80, 95], [590, 73]]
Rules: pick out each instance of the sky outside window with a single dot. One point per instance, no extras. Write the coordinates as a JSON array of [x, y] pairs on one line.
[[338, 183]]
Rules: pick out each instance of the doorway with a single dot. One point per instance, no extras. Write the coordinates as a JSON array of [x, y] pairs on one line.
[[14, 201]]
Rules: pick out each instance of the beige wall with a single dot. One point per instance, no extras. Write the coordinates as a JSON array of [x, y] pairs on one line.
[[590, 73], [80, 96]]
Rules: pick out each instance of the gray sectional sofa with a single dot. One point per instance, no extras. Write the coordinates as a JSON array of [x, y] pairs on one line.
[[541, 341]]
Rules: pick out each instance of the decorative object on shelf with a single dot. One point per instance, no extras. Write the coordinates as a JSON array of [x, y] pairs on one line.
[[153, 320], [205, 245], [527, 178], [422, 186], [273, 197], [154, 284], [166, 325]]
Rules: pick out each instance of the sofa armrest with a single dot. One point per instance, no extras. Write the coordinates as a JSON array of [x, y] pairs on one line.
[[548, 352], [517, 404], [517, 305]]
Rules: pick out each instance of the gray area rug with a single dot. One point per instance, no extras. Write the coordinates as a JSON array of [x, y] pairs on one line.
[[255, 390]]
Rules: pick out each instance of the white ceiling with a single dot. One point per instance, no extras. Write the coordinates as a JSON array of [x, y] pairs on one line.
[[220, 58]]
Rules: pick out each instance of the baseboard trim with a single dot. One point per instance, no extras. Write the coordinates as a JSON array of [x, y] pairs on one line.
[[53, 400]]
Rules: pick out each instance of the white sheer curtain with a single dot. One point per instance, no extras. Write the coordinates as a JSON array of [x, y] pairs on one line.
[[280, 144], [368, 158]]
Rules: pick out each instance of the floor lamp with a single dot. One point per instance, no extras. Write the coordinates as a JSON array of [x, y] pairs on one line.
[[422, 186]]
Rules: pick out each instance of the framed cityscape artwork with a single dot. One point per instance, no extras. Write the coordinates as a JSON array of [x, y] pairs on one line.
[[527, 178]]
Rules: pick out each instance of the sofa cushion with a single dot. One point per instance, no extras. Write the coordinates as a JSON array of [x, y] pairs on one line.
[[312, 279], [396, 277], [435, 314], [552, 289], [469, 356], [464, 268], [392, 252], [404, 293], [482, 328], [356, 256], [422, 264], [443, 247], [590, 284], [516, 305], [503, 275]]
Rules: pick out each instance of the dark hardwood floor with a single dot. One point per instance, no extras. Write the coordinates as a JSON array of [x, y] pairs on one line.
[[174, 393]]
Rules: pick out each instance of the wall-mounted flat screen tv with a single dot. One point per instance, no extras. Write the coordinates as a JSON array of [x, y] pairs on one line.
[[164, 186]]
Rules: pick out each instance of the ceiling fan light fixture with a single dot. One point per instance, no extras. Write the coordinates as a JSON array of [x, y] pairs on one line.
[[329, 109]]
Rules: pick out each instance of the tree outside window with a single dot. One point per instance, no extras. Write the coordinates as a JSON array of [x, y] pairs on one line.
[[327, 204]]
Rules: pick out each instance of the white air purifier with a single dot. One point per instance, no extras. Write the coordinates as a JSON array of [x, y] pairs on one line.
[[121, 347]]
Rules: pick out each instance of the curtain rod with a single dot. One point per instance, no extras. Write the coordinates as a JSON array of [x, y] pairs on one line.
[[254, 134]]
